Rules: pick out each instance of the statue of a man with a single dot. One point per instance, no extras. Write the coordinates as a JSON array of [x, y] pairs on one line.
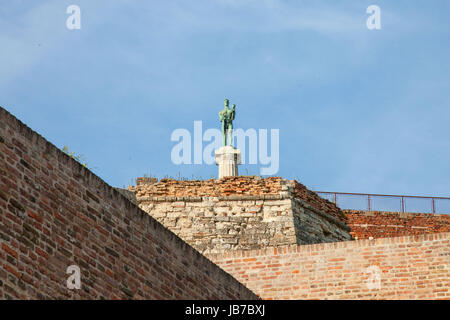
[[226, 116]]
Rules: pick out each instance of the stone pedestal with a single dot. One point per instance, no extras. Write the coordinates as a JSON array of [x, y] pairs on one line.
[[228, 158]]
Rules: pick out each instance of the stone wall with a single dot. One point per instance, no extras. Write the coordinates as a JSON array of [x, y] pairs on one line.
[[314, 226], [214, 224], [239, 213], [55, 213], [300, 192], [170, 189], [413, 267], [375, 224]]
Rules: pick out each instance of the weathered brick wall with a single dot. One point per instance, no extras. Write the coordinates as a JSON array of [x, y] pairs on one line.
[[228, 186], [241, 213], [55, 213], [375, 224], [413, 267]]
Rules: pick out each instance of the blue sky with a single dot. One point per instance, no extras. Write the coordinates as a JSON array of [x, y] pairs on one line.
[[358, 110]]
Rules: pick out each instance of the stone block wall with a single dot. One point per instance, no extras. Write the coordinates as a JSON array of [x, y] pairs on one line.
[[55, 213], [234, 186], [411, 267], [314, 226], [214, 224], [240, 213]]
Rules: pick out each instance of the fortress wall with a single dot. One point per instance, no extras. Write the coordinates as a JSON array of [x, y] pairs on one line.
[[300, 192], [314, 226], [375, 224], [252, 186], [55, 213], [215, 224], [412, 267], [228, 186], [236, 213]]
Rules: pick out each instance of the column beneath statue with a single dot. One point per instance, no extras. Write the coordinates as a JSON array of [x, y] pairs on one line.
[[228, 158]]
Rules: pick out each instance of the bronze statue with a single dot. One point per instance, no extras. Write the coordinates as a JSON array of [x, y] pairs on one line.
[[226, 116]]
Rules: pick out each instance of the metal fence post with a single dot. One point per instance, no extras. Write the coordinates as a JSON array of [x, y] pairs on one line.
[[403, 204], [368, 202]]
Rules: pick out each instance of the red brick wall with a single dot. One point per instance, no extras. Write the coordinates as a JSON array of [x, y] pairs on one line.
[[228, 186], [55, 213], [413, 267], [365, 224]]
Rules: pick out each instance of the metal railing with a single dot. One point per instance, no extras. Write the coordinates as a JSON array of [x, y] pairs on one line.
[[386, 202]]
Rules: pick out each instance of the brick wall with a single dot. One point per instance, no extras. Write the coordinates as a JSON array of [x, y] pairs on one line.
[[365, 224], [412, 267], [228, 186], [55, 213]]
